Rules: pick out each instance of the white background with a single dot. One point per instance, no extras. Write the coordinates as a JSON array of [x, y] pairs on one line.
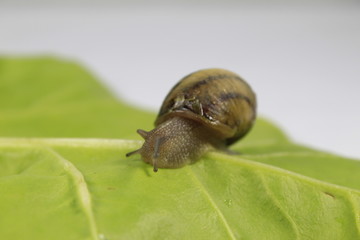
[[303, 60]]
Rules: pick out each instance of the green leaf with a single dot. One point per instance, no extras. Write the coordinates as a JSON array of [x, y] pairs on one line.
[[64, 175], [47, 97]]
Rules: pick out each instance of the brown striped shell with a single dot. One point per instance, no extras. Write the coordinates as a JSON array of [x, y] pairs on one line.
[[208, 109], [218, 98]]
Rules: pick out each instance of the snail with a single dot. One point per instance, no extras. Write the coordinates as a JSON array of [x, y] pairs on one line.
[[206, 110]]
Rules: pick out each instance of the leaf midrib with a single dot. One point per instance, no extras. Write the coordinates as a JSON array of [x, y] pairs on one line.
[[255, 164], [130, 144]]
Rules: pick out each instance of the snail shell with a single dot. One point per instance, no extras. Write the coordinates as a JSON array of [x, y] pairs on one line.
[[208, 109]]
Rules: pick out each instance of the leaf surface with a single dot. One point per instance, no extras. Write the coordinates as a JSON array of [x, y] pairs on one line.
[[63, 174]]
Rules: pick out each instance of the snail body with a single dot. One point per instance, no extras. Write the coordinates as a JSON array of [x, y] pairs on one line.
[[208, 109]]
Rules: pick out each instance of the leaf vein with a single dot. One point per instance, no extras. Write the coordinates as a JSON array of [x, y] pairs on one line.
[[356, 208], [278, 205], [83, 192], [213, 204]]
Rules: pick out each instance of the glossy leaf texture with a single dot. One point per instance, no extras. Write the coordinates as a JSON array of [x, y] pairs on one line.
[[64, 175]]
